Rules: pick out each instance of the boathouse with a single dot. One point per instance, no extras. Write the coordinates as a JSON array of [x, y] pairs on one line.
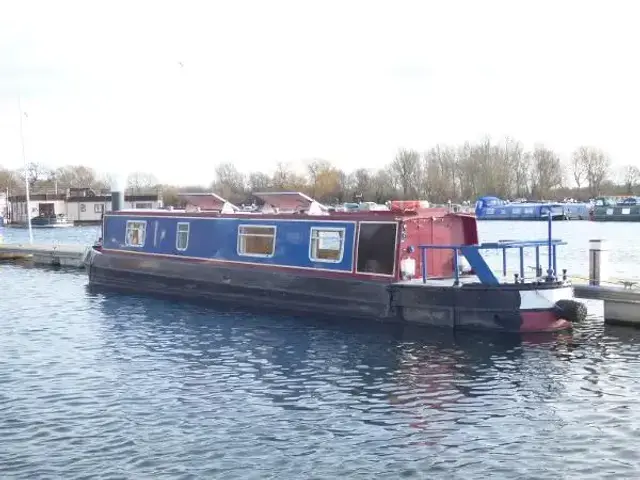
[[82, 206]]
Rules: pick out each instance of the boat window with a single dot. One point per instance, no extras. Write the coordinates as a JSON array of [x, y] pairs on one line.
[[136, 233], [182, 236], [326, 244], [377, 248], [256, 240]]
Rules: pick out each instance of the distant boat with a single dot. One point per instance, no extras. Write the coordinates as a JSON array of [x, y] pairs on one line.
[[617, 209], [51, 221], [493, 208]]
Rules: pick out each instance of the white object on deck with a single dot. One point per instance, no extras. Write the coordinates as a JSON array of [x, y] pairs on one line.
[[408, 268], [463, 264]]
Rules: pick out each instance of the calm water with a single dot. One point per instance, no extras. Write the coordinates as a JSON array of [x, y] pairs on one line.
[[112, 386]]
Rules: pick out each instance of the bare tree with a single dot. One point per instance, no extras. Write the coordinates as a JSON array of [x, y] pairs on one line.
[[405, 169], [141, 181], [467, 173], [598, 165], [37, 173], [282, 177], [579, 162], [382, 186], [547, 172], [8, 180], [440, 168], [317, 169], [362, 181], [258, 182], [75, 176], [229, 182], [518, 162], [631, 178]]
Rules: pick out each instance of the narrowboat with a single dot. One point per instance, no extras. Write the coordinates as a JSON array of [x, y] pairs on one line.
[[294, 254], [493, 208], [612, 209]]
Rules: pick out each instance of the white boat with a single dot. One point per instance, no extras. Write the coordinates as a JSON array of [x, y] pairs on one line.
[[51, 221]]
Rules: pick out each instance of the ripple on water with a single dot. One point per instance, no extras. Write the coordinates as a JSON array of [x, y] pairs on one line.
[[125, 387]]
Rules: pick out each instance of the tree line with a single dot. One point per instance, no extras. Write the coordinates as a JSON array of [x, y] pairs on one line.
[[441, 174]]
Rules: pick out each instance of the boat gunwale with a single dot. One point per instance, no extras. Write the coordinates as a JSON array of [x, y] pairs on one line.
[[387, 215]]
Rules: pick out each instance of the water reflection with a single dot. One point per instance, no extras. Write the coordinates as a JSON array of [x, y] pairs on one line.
[[132, 386], [390, 374]]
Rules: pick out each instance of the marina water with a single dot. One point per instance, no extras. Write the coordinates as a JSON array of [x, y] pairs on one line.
[[96, 385]]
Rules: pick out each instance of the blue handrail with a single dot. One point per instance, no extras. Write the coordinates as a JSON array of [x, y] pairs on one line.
[[480, 266]]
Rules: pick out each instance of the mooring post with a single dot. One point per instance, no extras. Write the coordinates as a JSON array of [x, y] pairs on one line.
[[598, 261]]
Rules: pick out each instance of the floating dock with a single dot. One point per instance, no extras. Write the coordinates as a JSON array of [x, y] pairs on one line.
[[47, 255], [621, 298], [621, 304]]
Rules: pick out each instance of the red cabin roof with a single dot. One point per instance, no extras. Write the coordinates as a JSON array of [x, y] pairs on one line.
[[206, 202], [289, 202]]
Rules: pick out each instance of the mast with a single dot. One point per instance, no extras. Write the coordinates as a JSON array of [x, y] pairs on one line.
[[26, 174]]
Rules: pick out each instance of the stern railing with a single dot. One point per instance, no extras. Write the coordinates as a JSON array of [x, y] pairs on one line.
[[482, 269]]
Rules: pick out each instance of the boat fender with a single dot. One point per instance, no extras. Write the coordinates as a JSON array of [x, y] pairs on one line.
[[571, 310]]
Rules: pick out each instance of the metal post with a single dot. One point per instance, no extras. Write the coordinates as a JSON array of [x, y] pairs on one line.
[[550, 271], [538, 269], [26, 174], [522, 264], [423, 255], [598, 261], [456, 273], [504, 261]]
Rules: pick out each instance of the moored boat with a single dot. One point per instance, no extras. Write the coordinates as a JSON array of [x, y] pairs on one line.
[[493, 208], [400, 265], [617, 209], [51, 221]]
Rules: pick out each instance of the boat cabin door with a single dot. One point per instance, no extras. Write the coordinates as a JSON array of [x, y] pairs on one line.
[[376, 248]]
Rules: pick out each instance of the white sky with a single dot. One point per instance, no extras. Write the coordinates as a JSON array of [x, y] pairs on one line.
[[348, 81]]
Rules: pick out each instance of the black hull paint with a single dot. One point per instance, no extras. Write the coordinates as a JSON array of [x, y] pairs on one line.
[[484, 308], [617, 218]]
